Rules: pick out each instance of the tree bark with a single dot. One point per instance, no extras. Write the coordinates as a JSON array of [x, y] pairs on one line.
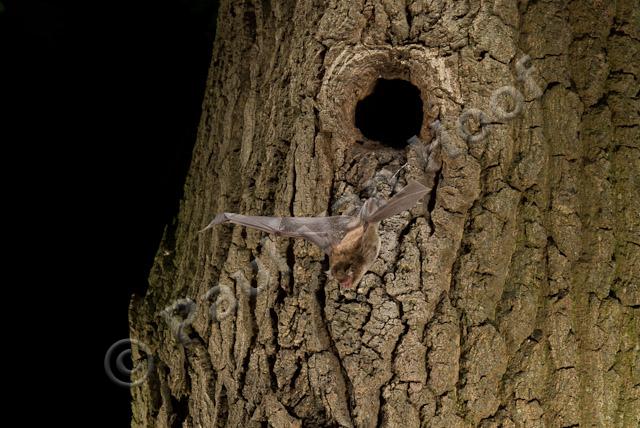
[[513, 299]]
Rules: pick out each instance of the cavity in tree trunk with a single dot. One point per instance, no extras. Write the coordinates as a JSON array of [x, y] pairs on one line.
[[509, 298]]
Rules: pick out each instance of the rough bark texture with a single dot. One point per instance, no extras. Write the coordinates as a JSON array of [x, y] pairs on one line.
[[513, 301]]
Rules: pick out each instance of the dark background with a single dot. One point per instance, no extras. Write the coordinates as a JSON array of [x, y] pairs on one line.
[[104, 101]]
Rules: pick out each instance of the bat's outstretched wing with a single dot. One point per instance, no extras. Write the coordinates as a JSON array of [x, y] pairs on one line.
[[376, 210], [325, 232]]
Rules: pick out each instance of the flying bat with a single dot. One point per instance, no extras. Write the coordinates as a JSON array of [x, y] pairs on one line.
[[351, 242]]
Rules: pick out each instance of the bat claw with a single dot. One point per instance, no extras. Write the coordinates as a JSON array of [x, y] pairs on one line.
[[218, 219], [209, 226]]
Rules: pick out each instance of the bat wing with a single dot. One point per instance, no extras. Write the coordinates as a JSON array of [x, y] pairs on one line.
[[325, 232], [375, 210]]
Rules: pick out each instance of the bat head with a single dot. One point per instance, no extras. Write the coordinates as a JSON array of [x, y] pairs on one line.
[[348, 273]]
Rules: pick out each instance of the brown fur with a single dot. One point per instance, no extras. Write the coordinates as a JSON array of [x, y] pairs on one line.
[[353, 255]]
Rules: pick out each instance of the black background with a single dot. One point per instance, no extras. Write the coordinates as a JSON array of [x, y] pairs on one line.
[[104, 101]]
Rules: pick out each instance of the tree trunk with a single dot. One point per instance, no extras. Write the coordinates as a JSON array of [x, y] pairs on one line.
[[510, 299]]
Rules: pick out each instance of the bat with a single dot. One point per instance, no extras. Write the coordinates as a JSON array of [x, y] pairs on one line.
[[351, 242]]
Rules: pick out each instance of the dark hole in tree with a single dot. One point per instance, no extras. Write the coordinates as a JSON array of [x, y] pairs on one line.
[[391, 114]]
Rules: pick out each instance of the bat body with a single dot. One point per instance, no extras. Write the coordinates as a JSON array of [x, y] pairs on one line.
[[354, 254], [352, 242]]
